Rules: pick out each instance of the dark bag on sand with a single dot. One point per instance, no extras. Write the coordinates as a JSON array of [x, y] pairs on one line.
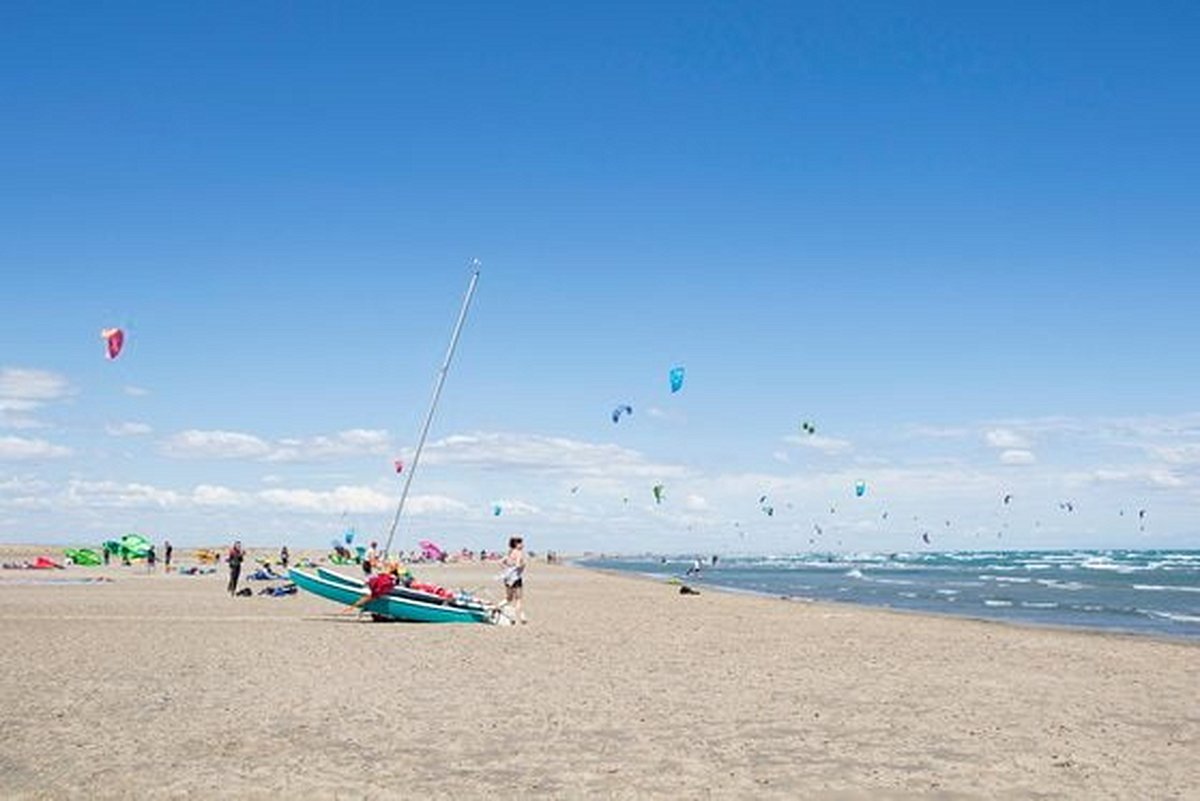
[[686, 590], [245, 592]]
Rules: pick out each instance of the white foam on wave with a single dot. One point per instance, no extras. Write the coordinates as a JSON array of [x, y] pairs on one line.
[[996, 602], [1164, 588], [1175, 616], [1007, 579], [1104, 563], [1039, 605], [1054, 584], [946, 592], [854, 573]]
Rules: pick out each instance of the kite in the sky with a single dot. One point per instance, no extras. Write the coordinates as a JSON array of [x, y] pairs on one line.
[[1007, 499], [399, 465], [860, 488], [925, 537], [658, 493], [575, 489], [620, 410], [496, 510], [1067, 505], [676, 377], [114, 340], [808, 428]]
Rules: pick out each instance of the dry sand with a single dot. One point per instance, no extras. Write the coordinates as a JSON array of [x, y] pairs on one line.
[[163, 686]]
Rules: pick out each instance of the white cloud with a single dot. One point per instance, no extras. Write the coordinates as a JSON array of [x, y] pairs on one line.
[[542, 454], [199, 444], [1141, 476], [38, 385], [1017, 456], [430, 505], [210, 495], [20, 449], [1177, 454], [936, 432], [113, 494], [830, 446], [351, 499], [1005, 438], [127, 429], [696, 503], [135, 392], [345, 443], [515, 508], [22, 484], [23, 391], [14, 413], [194, 444]]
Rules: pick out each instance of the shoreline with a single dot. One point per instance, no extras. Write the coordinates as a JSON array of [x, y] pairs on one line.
[[811, 601]]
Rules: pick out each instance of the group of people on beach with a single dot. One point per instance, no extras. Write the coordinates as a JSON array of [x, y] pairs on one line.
[[513, 575]]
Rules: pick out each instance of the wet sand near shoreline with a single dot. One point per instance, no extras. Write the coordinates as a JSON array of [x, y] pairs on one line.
[[163, 685]]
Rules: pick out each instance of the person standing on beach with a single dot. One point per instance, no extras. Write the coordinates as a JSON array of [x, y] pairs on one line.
[[236, 555], [167, 549], [283, 557], [371, 558], [514, 577], [151, 559]]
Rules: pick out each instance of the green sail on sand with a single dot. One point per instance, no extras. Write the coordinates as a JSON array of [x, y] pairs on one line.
[[82, 556], [131, 546]]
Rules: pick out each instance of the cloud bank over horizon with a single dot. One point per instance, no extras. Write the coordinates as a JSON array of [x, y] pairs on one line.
[[203, 485]]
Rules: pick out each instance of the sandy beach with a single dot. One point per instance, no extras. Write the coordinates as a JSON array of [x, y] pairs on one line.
[[163, 686]]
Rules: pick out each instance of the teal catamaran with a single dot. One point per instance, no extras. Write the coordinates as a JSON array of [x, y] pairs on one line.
[[405, 603]]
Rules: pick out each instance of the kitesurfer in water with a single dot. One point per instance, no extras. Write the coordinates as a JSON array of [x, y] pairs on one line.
[[514, 577]]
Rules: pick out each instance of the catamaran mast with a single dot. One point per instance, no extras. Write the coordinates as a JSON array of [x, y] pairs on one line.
[[437, 392]]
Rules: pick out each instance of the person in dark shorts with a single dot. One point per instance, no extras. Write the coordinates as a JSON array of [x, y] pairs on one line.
[[235, 557], [167, 551], [514, 577]]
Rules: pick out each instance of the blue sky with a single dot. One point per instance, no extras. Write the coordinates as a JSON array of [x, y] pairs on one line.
[[960, 240]]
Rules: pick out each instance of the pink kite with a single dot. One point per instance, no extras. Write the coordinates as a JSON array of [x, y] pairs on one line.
[[399, 466], [431, 552], [114, 340]]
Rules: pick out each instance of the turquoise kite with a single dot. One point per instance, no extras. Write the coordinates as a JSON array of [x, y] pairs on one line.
[[676, 377]]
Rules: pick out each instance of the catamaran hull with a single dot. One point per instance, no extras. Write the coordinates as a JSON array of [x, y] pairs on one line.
[[347, 591]]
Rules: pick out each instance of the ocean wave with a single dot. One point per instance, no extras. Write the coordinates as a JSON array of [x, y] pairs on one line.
[[1055, 584], [996, 602], [1165, 588], [1006, 579], [1177, 617]]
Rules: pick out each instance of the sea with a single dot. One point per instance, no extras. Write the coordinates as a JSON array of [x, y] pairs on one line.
[[1154, 592]]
